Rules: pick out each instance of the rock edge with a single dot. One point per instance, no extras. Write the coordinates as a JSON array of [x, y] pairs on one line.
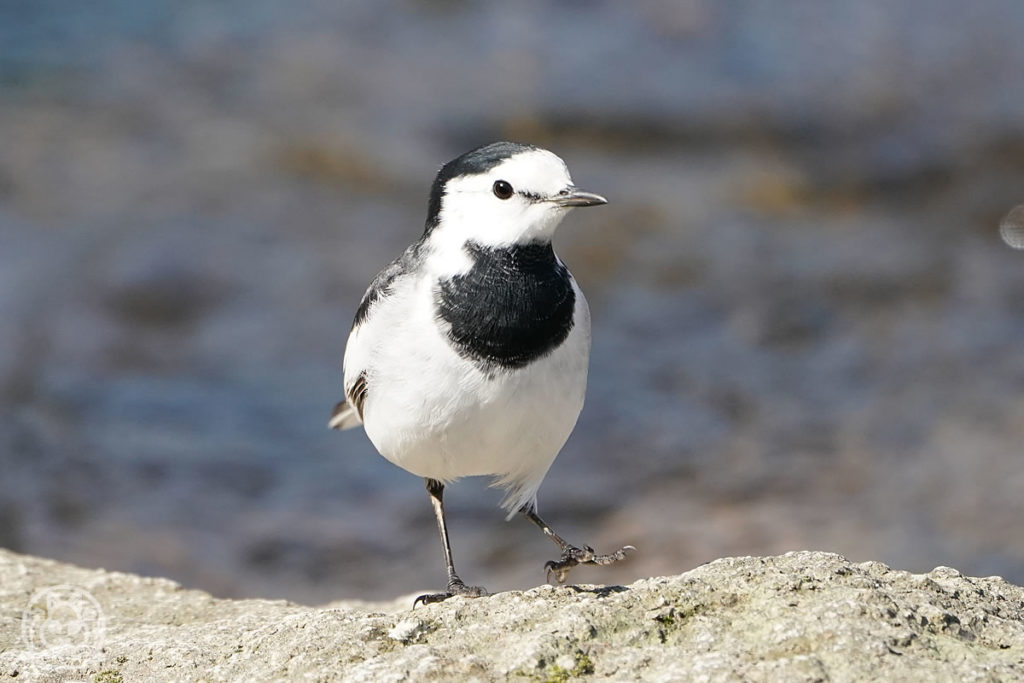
[[803, 616]]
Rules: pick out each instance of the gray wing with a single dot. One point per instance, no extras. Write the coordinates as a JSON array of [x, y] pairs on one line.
[[378, 289], [348, 413]]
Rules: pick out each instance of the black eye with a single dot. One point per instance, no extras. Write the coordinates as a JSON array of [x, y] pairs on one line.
[[503, 189]]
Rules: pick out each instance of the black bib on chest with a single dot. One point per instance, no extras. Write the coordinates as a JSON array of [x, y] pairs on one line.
[[514, 306]]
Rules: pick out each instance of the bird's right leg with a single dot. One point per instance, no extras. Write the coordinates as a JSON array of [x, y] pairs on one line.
[[455, 585]]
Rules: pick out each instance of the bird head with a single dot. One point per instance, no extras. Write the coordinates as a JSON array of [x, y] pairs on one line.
[[501, 195]]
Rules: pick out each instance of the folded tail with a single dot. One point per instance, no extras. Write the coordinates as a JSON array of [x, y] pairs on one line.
[[344, 416]]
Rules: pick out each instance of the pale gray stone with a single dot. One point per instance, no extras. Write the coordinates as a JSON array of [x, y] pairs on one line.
[[803, 616]]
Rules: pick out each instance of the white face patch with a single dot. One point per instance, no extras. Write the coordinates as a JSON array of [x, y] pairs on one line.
[[470, 209]]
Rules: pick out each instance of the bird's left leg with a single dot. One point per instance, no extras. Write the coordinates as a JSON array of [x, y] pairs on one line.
[[571, 555]]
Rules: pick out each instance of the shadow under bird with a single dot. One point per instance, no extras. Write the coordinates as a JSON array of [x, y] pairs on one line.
[[468, 354]]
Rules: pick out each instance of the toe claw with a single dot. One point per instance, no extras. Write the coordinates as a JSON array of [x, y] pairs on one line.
[[560, 569], [430, 598], [454, 588], [617, 556]]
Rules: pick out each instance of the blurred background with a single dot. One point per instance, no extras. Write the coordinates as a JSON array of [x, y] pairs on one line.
[[807, 332]]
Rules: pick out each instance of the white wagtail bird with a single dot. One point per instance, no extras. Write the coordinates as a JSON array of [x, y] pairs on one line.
[[468, 354]]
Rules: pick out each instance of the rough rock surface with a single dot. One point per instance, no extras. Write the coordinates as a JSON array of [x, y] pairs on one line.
[[803, 616]]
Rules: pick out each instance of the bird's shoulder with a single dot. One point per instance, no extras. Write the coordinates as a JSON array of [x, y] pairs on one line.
[[365, 335], [383, 284]]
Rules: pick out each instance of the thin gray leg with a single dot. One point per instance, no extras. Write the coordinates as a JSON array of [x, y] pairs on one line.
[[455, 585]]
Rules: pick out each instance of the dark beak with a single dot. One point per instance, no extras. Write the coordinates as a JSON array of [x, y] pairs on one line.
[[572, 196]]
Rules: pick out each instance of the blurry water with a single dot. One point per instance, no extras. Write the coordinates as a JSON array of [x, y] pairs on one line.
[[806, 332]]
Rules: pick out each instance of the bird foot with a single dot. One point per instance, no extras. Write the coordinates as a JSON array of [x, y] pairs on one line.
[[455, 587], [573, 556]]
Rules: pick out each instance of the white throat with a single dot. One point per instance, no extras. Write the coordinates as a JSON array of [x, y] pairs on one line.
[[471, 212]]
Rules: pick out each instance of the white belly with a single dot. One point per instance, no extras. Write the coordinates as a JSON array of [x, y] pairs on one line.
[[440, 416]]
